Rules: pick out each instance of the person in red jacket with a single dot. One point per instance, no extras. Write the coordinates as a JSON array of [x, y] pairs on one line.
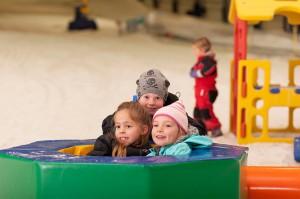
[[205, 73]]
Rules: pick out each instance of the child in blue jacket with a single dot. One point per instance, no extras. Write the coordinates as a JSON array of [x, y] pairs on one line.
[[170, 132]]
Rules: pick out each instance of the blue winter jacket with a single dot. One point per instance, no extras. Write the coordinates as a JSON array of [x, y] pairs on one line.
[[183, 147]]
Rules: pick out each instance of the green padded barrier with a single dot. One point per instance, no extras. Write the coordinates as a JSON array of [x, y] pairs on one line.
[[17, 178], [214, 173]]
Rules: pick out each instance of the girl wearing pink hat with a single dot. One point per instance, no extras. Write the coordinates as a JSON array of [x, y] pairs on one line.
[[170, 132]]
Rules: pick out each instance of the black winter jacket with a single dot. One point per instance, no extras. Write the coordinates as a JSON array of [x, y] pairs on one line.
[[105, 143]]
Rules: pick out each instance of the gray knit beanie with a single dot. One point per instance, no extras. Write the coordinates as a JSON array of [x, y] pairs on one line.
[[152, 81]]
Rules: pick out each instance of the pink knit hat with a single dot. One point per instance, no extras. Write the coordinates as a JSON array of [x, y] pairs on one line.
[[176, 111]]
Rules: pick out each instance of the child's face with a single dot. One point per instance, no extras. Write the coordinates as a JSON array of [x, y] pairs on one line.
[[165, 131], [152, 102], [198, 51], [127, 130]]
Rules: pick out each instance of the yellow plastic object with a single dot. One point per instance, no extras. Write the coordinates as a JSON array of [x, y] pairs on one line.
[[78, 150], [250, 93], [293, 64], [85, 8], [264, 10]]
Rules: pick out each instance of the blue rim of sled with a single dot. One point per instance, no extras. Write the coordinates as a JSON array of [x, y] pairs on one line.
[[47, 151], [297, 149]]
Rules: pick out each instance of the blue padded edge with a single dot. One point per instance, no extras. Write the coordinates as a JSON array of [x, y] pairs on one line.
[[297, 149], [47, 151], [275, 90]]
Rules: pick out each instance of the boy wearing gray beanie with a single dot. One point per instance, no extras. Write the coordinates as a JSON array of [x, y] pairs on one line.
[[152, 81], [152, 90]]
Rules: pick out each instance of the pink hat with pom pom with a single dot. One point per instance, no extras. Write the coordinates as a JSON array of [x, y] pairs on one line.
[[176, 111]]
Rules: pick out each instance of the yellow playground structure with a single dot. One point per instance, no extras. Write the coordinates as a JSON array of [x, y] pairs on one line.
[[250, 99]]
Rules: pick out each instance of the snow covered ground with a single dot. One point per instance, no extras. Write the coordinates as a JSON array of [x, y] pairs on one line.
[[60, 85]]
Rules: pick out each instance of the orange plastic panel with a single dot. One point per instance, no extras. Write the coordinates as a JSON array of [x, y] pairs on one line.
[[273, 182]]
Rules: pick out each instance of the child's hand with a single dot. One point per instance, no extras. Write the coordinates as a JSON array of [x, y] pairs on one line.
[[195, 73]]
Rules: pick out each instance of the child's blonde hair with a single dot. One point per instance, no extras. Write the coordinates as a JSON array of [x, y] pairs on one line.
[[139, 115], [202, 43]]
